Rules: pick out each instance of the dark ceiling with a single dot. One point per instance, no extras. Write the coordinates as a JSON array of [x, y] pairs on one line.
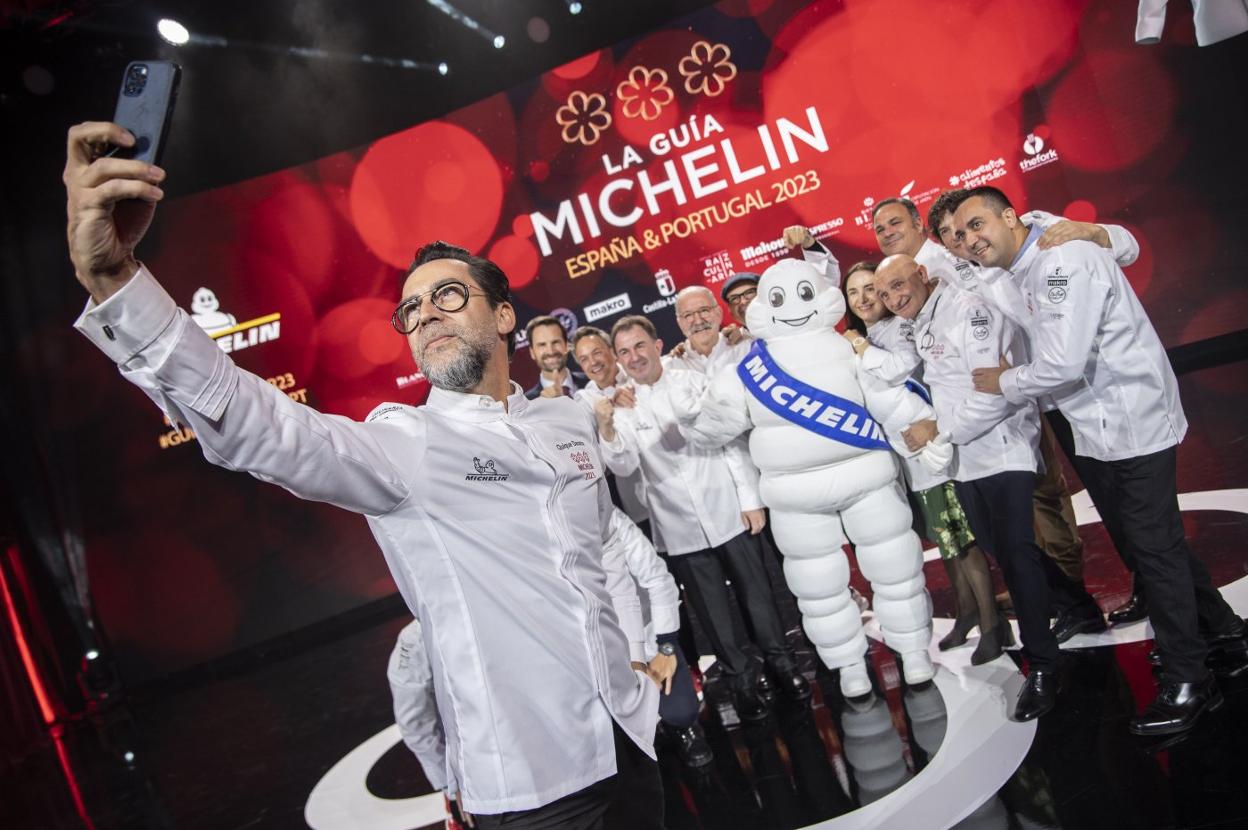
[[251, 107]]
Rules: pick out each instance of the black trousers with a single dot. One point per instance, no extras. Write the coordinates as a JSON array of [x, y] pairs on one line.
[[1139, 506], [703, 575], [632, 798], [999, 508]]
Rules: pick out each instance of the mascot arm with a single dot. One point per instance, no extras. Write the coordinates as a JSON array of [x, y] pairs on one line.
[[710, 414], [892, 367]]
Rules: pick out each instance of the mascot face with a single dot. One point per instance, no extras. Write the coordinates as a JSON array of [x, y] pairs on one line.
[[204, 302], [793, 299]]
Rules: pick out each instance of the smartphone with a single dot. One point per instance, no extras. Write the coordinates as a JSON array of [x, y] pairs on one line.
[[145, 107]]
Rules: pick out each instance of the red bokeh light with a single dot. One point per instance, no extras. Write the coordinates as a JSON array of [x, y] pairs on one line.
[[518, 258], [1080, 210], [434, 181]]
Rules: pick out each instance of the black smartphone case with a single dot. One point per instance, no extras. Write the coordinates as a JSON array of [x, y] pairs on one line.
[[145, 107]]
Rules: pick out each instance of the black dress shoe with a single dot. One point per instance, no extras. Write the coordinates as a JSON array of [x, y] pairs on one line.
[[1133, 610], [692, 747], [1078, 621], [795, 685], [766, 689], [1228, 654], [750, 706], [1154, 656], [1039, 695], [1177, 706]]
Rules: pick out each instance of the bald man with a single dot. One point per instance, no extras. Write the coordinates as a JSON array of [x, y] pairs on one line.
[[994, 466]]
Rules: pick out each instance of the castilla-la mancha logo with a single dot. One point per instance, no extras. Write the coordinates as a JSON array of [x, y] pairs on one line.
[[664, 282], [485, 471]]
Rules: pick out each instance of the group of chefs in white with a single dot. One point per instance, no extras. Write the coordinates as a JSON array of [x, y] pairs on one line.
[[494, 515]]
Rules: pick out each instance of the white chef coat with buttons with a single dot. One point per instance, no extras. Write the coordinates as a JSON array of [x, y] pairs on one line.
[[491, 519], [696, 495], [1095, 353], [958, 332]]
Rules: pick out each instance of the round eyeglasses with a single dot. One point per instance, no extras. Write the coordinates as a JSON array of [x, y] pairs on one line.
[[449, 297]]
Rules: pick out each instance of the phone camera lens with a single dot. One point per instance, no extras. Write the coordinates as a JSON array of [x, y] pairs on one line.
[[136, 80]]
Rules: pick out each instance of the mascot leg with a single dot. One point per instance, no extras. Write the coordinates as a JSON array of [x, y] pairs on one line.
[[891, 557], [817, 572]]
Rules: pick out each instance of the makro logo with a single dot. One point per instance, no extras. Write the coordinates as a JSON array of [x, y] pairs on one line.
[[231, 335], [486, 471], [609, 306]]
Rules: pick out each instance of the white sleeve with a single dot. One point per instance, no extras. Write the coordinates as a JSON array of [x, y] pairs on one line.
[[415, 709], [744, 474], [242, 422], [982, 345], [1122, 243], [620, 583], [649, 572], [1062, 335], [713, 415], [824, 261], [1150, 21], [622, 455]]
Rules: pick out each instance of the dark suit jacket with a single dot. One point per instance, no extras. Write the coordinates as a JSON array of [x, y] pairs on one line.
[[579, 379]]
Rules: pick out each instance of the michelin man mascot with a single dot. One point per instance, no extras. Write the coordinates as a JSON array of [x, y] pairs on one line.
[[827, 470]]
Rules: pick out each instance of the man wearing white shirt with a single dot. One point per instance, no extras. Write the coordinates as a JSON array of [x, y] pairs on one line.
[[1096, 354], [705, 512], [995, 462], [528, 631], [706, 349]]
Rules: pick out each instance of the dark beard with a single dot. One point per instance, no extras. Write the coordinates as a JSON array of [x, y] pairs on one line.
[[463, 372]]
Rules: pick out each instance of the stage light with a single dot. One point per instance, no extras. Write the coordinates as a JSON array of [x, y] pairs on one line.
[[459, 17], [443, 68], [173, 32], [128, 756], [92, 654], [574, 7]]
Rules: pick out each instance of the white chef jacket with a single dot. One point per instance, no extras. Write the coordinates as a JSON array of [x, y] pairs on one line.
[[632, 488], [491, 520], [722, 355], [1216, 20], [1094, 351], [957, 332], [696, 496], [411, 675]]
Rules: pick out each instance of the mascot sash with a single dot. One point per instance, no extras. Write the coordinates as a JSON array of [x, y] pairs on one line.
[[800, 403]]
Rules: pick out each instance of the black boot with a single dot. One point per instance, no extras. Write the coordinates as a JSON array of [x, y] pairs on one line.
[[1228, 654], [1039, 695], [1133, 610], [992, 643], [794, 684], [692, 747], [750, 706], [1177, 707], [957, 635]]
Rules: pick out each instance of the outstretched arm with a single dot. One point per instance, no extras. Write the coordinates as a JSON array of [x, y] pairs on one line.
[[242, 422]]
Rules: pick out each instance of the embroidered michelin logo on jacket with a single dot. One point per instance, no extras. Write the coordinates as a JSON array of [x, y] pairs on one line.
[[486, 471]]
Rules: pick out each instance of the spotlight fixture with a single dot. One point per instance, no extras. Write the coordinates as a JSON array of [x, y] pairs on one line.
[[92, 655], [459, 17], [443, 68], [173, 32], [574, 7]]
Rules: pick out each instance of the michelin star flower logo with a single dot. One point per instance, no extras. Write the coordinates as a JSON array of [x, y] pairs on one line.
[[645, 93], [707, 69], [583, 118]]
